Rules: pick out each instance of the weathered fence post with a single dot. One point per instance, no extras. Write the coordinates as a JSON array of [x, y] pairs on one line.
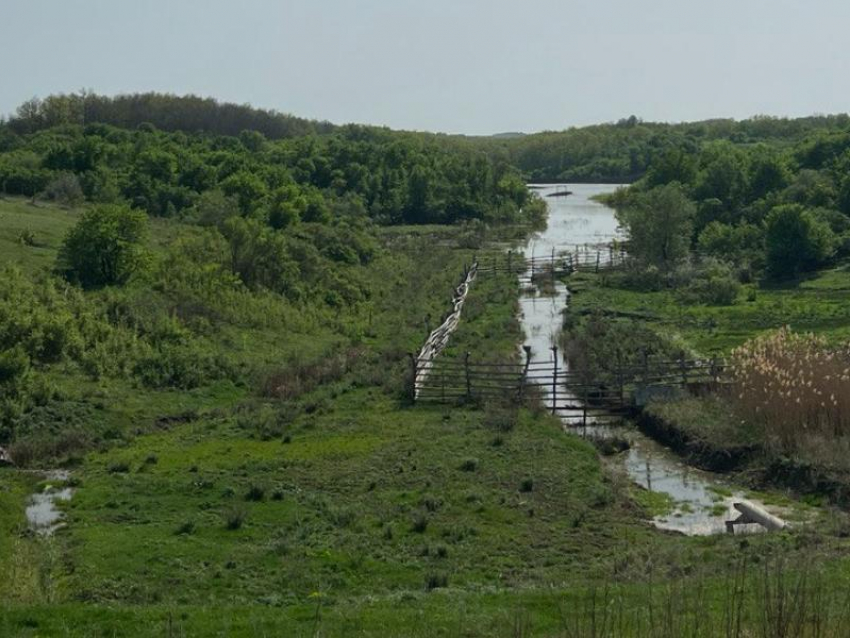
[[620, 383], [584, 408], [413, 372], [597, 260], [552, 265], [468, 378], [443, 385], [524, 377], [555, 380], [683, 368], [510, 261]]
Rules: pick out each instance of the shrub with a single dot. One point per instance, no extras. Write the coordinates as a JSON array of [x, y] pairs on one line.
[[713, 283], [469, 465], [65, 189], [105, 247], [118, 467], [185, 528], [255, 493], [235, 517], [436, 580], [420, 524], [527, 485]]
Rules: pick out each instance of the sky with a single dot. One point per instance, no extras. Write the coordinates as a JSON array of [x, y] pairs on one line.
[[456, 66]]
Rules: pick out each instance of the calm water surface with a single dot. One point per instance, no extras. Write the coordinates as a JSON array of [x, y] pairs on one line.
[[703, 500]]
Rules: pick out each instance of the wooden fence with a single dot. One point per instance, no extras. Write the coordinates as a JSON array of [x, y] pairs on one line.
[[580, 393], [590, 258], [437, 340]]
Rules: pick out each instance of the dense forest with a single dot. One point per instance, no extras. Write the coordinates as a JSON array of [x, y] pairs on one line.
[[763, 210], [622, 152], [166, 112], [248, 227], [80, 146]]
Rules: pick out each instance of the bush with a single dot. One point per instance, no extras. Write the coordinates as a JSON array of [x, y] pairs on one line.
[[420, 524], [437, 580], [796, 241], [234, 518], [469, 465], [106, 247], [65, 189], [255, 493], [118, 467], [712, 283]]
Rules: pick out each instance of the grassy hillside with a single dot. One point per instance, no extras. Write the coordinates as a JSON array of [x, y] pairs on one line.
[[297, 493], [247, 493]]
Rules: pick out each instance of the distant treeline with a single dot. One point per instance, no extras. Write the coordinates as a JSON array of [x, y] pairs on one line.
[[169, 156], [624, 151], [166, 112]]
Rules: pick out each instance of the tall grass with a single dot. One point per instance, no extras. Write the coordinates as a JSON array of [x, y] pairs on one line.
[[771, 598], [795, 388]]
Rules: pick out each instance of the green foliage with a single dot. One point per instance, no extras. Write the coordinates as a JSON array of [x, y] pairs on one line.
[[796, 241], [659, 223], [65, 189], [279, 170], [742, 244], [599, 345], [711, 283], [105, 247]]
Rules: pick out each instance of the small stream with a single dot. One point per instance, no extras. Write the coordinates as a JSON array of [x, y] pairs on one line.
[[702, 501]]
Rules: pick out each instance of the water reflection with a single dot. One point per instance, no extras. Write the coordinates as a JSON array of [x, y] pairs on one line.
[[703, 503]]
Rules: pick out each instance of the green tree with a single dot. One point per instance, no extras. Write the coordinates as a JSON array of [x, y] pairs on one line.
[[659, 223], [106, 247], [247, 188], [796, 241]]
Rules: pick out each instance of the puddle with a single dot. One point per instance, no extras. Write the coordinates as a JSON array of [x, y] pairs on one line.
[[43, 514], [702, 502]]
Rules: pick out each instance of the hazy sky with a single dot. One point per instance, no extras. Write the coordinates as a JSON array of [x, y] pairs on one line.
[[467, 66]]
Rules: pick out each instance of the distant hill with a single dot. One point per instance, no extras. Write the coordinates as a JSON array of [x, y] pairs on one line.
[[189, 113]]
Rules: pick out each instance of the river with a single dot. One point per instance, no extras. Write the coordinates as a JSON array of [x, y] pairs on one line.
[[703, 501]]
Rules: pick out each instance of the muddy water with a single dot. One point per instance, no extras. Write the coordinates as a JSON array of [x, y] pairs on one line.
[[43, 515], [702, 501]]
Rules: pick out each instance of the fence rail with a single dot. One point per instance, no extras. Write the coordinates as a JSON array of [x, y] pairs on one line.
[[590, 258], [615, 390]]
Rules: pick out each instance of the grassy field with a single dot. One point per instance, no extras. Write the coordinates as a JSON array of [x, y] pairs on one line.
[[227, 510], [814, 304], [220, 496]]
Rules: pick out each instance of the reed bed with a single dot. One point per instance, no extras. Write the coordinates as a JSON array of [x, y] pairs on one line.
[[795, 388]]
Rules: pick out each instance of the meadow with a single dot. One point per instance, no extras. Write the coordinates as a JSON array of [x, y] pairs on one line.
[[304, 495]]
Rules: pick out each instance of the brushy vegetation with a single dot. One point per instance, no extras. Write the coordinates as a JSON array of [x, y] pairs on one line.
[[796, 390]]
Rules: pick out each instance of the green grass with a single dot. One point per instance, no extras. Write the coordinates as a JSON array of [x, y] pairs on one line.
[[49, 224], [351, 505], [816, 304]]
